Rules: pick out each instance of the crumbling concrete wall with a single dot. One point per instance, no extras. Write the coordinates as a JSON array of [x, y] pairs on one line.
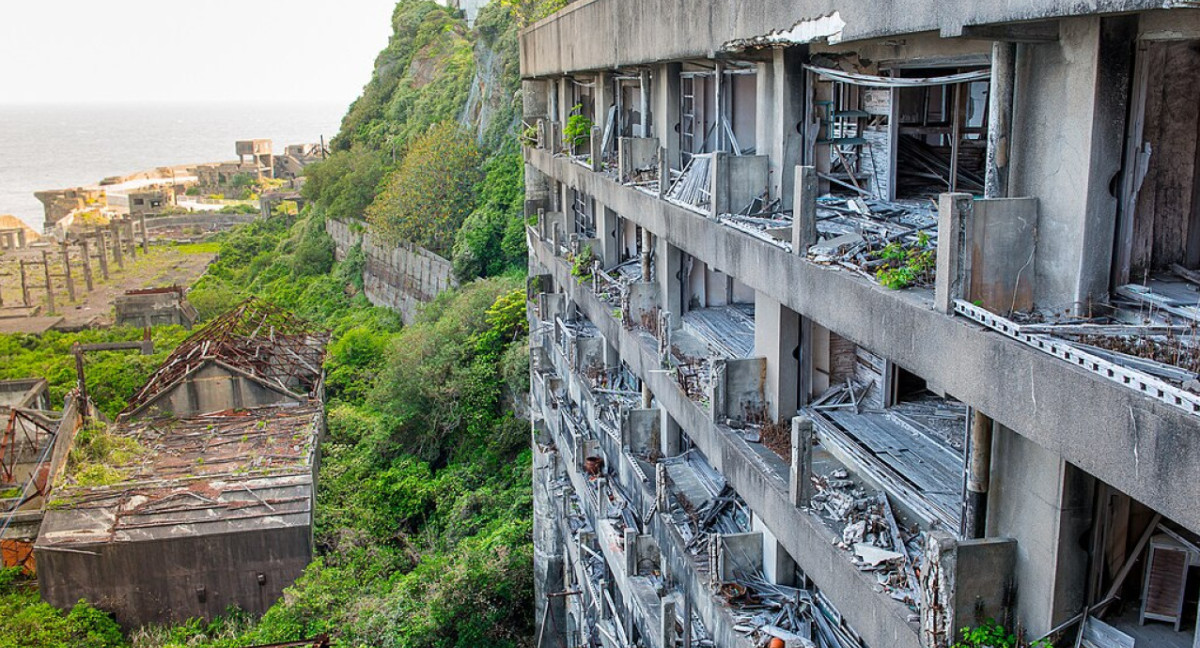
[[401, 277]]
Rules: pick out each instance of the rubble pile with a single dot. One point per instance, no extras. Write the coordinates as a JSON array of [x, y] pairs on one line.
[[871, 534]]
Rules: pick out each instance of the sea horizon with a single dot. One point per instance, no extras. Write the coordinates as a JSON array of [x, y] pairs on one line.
[[54, 145]]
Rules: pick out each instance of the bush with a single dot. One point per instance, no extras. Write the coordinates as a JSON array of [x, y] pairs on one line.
[[429, 196]]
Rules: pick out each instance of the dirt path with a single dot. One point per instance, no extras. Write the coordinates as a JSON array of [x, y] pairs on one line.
[[164, 266]]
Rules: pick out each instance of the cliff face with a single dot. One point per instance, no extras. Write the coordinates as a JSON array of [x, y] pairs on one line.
[[437, 68]]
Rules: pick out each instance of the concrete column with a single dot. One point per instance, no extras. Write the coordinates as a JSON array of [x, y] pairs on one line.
[[979, 470], [953, 251], [606, 231], [666, 628], [647, 396], [131, 238], [21, 243], [603, 96], [118, 253], [103, 253], [804, 210], [145, 234], [594, 148], [777, 338], [1000, 107], [66, 260], [631, 554], [666, 110], [938, 585], [799, 482], [721, 101], [24, 285], [669, 261], [644, 103], [647, 252], [670, 436], [86, 248], [49, 283]]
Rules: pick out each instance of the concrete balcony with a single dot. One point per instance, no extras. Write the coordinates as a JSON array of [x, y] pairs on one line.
[[1089, 420]]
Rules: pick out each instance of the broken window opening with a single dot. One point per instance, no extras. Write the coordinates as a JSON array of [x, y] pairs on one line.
[[582, 210], [1144, 577], [885, 423]]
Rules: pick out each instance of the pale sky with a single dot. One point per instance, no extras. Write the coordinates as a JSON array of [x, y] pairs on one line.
[[87, 51]]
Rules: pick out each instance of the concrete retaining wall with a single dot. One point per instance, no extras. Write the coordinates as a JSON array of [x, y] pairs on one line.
[[398, 277]]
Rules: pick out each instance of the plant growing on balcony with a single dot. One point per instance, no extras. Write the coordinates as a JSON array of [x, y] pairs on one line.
[[578, 129], [581, 264], [906, 266], [993, 635]]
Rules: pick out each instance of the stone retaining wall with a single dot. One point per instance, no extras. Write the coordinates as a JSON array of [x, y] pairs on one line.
[[400, 277]]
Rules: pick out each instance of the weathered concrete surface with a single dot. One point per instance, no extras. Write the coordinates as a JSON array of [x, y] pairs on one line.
[[1129, 441], [882, 621], [398, 277], [605, 34]]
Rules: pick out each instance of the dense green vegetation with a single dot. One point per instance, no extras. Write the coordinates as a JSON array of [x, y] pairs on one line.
[[113, 377], [26, 622]]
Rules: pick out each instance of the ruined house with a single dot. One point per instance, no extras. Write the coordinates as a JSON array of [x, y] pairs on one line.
[[60, 203], [290, 165], [155, 307], [210, 503], [151, 201], [859, 324], [31, 450], [255, 160]]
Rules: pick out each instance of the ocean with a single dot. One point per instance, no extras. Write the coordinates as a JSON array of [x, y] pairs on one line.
[[60, 146]]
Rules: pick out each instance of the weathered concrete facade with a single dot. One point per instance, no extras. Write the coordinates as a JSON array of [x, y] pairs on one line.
[[722, 351], [400, 277]]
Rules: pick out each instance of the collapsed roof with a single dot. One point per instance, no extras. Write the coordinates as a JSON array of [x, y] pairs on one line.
[[256, 340]]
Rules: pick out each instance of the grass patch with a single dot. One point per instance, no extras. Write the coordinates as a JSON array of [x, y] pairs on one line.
[[205, 247]]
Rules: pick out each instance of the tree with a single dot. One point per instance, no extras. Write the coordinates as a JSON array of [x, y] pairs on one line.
[[429, 196]]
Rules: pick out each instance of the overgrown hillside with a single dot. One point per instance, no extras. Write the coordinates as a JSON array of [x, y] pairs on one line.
[[424, 501]]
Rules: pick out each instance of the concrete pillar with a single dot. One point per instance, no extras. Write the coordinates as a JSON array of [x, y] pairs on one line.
[[647, 253], [643, 129], [666, 111], [118, 253], [666, 627], [21, 243], [1000, 107], [799, 477], [49, 283], [631, 553], [953, 251], [603, 96], [647, 396], [606, 230], [979, 470], [145, 234], [804, 210], [938, 585], [86, 249], [535, 99], [594, 148], [669, 261], [66, 260], [777, 338], [780, 111], [103, 253], [130, 237], [670, 436], [24, 285]]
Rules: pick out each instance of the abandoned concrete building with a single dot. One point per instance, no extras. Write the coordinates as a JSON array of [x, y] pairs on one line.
[[858, 327], [290, 165], [212, 504], [155, 307], [60, 203], [151, 201], [255, 160]]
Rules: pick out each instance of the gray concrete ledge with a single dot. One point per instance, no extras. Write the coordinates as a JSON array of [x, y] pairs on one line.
[[881, 620], [1129, 441], [605, 34]]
